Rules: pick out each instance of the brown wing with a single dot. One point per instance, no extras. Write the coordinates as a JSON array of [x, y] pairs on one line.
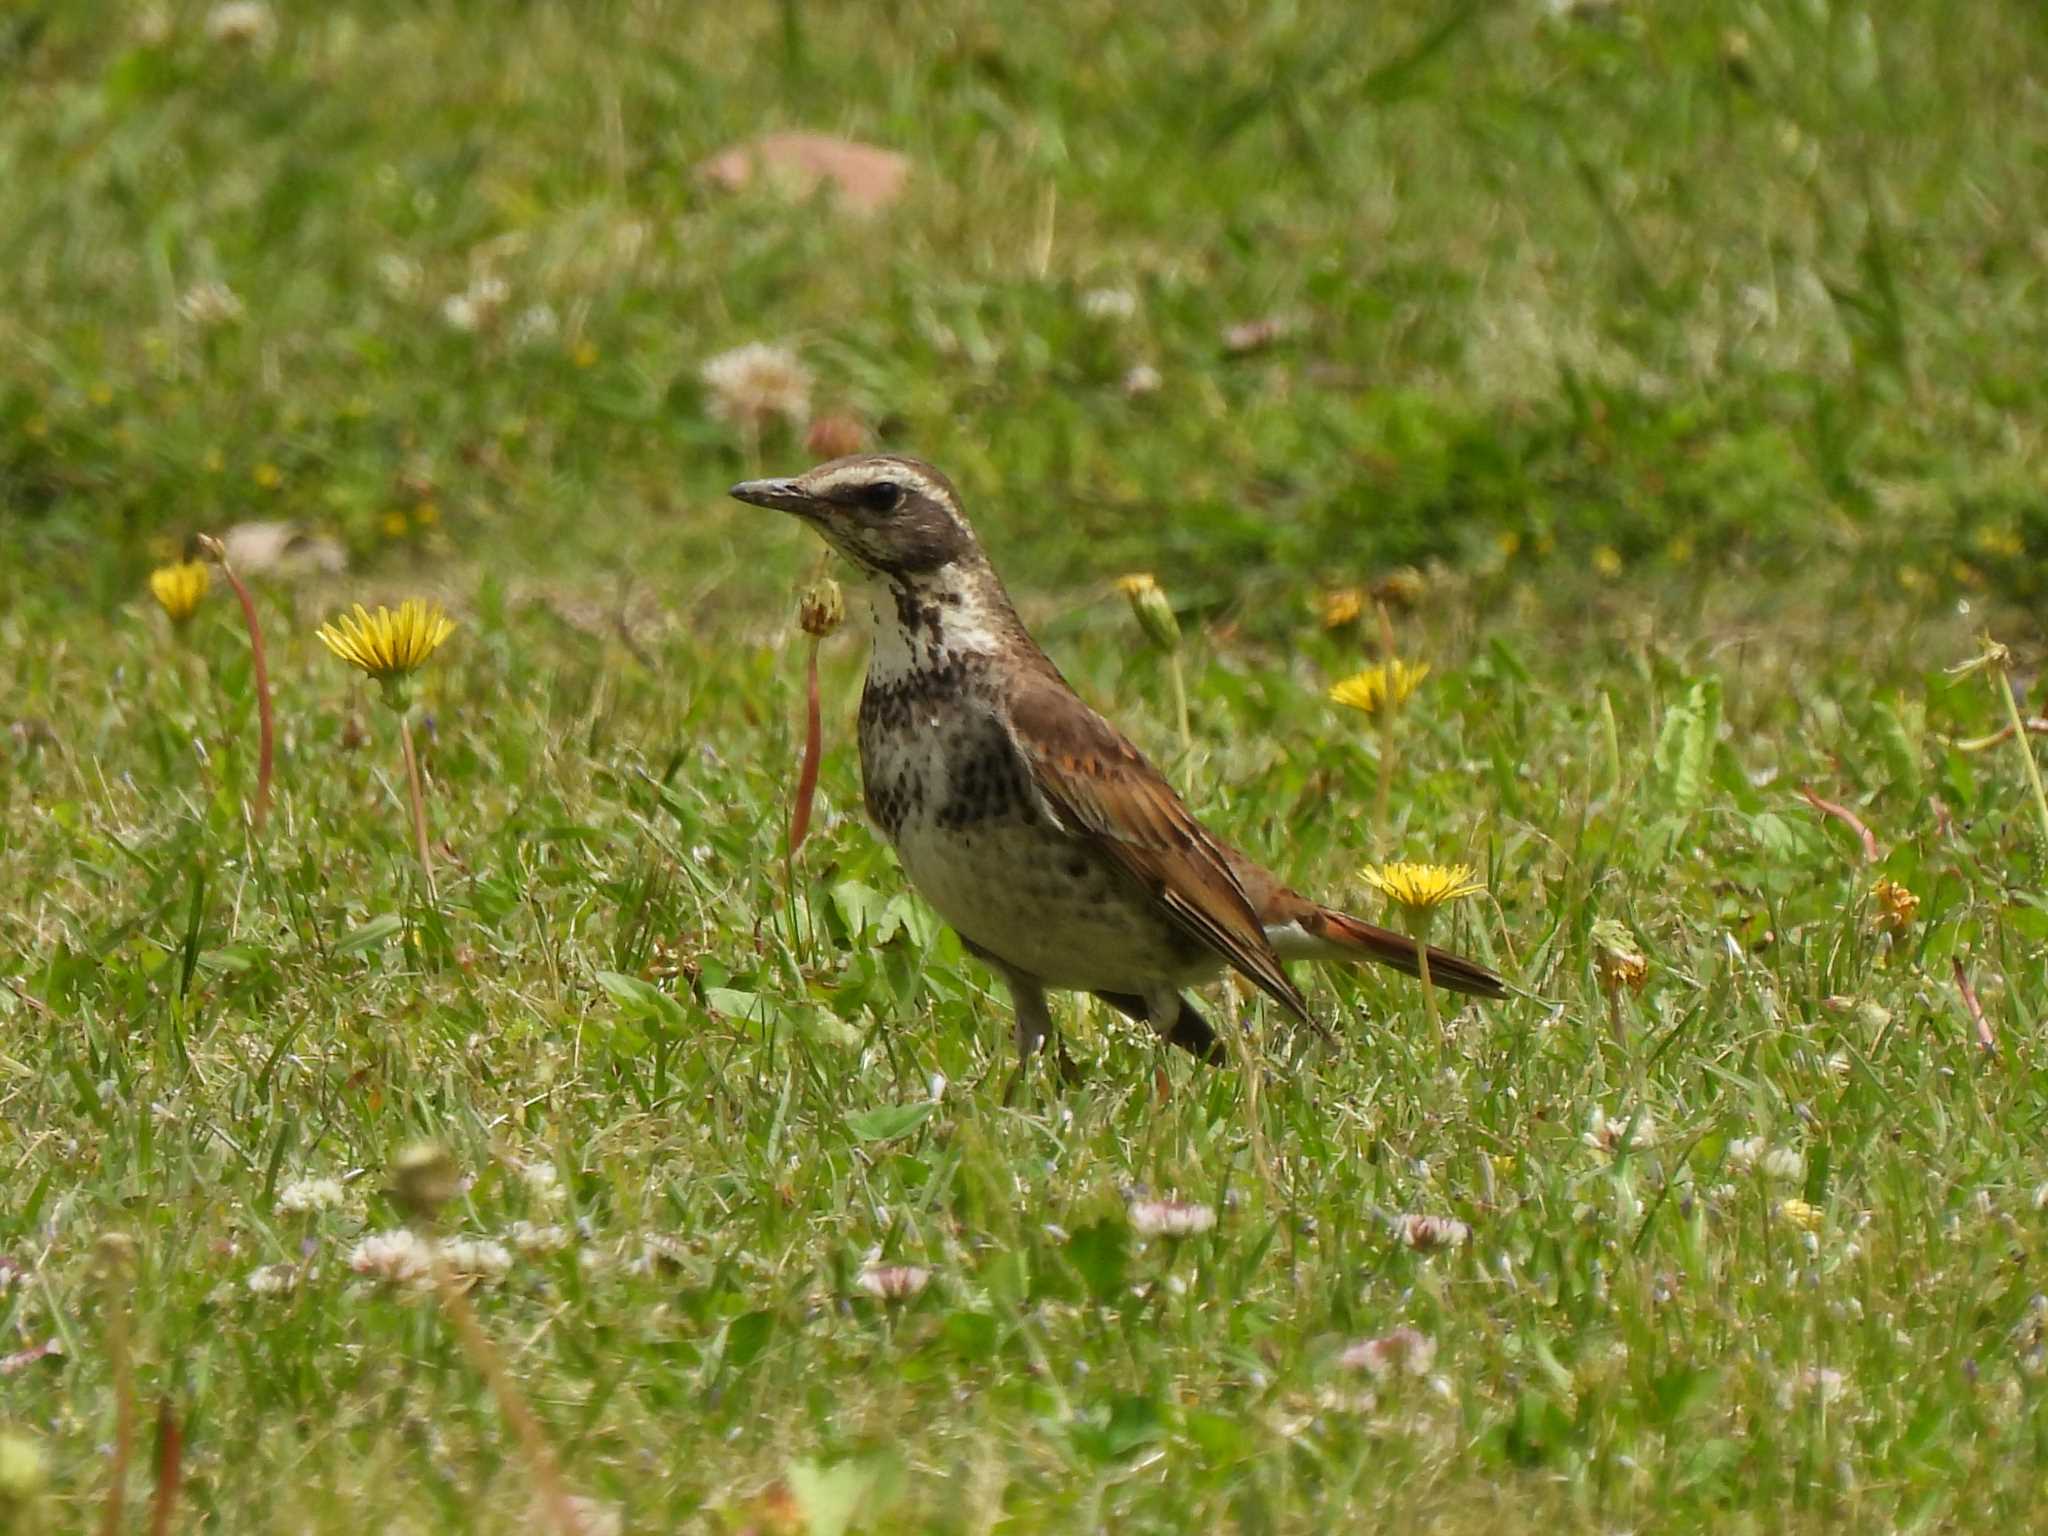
[[1094, 781]]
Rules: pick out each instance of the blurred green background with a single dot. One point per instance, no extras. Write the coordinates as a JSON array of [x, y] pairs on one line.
[[1752, 286]]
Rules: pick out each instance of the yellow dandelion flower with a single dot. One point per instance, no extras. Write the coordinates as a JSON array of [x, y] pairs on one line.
[[1607, 561], [1381, 687], [1805, 1217], [267, 475], [389, 646], [178, 588], [585, 355], [1341, 607], [1423, 887], [395, 525]]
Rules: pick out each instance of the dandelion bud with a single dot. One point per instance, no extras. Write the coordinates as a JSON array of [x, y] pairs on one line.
[[1153, 610], [1341, 607], [22, 1470], [821, 609]]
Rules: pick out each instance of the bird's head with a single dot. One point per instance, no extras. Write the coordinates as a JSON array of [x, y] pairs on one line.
[[896, 518]]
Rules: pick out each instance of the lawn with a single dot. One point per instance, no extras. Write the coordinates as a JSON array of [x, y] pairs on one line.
[[1670, 374]]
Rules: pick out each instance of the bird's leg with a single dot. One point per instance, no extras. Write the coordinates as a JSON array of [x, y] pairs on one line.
[[1033, 1027]]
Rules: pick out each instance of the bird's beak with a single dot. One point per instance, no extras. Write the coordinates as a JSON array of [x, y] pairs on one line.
[[782, 495]]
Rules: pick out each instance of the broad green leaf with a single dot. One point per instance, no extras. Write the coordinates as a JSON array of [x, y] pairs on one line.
[[888, 1122]]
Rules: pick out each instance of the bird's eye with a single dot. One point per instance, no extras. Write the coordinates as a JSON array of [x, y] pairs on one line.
[[881, 496]]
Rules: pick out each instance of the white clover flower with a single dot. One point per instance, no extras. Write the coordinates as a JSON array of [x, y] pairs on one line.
[[1744, 1152], [1784, 1165], [1170, 1218], [274, 1280], [476, 1259], [209, 305], [893, 1282], [1142, 379], [1426, 1234], [306, 1197], [752, 385], [1405, 1351], [400, 275], [241, 24], [535, 324], [1606, 1133], [543, 1182], [476, 307], [1109, 304], [532, 1238], [396, 1257]]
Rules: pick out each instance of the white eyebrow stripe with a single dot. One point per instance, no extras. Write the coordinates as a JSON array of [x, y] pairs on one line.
[[868, 472]]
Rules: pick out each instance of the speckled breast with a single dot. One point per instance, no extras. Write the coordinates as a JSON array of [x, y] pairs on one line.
[[948, 789]]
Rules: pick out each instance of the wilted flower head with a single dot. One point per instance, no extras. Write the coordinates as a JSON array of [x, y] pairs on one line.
[[1170, 1218], [1381, 688], [389, 646], [1405, 1351], [1340, 607], [209, 304], [1617, 962], [1402, 587], [1421, 887], [1896, 906], [821, 609], [1426, 1234], [178, 588], [893, 1282], [1151, 607], [752, 385], [836, 435]]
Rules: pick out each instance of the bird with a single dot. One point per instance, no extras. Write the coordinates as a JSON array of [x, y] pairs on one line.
[[1060, 855]]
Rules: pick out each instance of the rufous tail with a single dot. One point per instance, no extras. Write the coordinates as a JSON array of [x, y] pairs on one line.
[[1323, 933]]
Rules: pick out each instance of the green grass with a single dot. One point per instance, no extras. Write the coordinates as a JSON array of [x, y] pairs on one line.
[[1703, 386]]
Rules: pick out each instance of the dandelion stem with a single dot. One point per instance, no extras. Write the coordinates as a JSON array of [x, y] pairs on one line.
[[419, 803], [2023, 746], [807, 770], [484, 1356], [266, 731], [1436, 1019], [1384, 792], [1180, 701], [116, 1255]]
